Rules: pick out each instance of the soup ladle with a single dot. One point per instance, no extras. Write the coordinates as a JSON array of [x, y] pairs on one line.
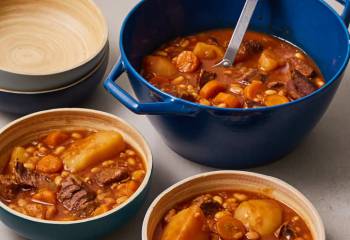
[[238, 34]]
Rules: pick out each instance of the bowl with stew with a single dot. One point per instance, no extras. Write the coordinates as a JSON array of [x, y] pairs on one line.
[[257, 111], [49, 44], [71, 174], [20, 102], [232, 205]]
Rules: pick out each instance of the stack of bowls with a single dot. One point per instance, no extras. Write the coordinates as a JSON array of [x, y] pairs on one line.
[[53, 53]]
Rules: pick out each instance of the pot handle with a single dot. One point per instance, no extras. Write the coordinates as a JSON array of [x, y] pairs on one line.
[[346, 12], [170, 106]]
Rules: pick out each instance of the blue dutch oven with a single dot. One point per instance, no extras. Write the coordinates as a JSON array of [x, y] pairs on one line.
[[232, 138]]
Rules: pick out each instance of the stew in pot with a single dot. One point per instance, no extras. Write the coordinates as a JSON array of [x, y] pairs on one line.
[[267, 71]]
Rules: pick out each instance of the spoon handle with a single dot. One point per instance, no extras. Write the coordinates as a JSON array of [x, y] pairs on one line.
[[239, 32]]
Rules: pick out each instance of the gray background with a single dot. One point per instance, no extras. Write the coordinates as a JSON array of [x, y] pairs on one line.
[[320, 167]]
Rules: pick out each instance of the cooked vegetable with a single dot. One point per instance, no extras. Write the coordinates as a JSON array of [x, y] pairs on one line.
[[268, 61], [212, 88], [18, 155], [206, 51], [263, 215], [253, 89], [49, 164], [274, 100], [229, 100], [161, 66], [187, 62], [56, 138], [188, 224], [92, 150], [230, 228]]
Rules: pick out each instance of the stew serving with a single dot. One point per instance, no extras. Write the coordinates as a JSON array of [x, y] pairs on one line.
[[68, 176], [232, 215], [267, 71]]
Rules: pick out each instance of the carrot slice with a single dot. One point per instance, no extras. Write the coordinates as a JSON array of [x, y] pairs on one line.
[[274, 100], [210, 89], [230, 228], [253, 89], [230, 100], [55, 138], [49, 164]]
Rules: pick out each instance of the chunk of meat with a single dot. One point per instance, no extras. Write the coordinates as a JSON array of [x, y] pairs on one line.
[[110, 175], [210, 208], [299, 86], [28, 179], [301, 66], [76, 196], [285, 232], [187, 62], [247, 75], [8, 188], [205, 77], [248, 49]]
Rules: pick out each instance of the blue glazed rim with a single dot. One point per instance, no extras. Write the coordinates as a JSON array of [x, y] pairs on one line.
[[184, 107], [142, 189]]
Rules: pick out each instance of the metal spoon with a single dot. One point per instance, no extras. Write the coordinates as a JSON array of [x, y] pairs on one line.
[[238, 34]]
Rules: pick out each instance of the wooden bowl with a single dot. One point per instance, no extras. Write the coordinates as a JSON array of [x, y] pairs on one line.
[[71, 95], [235, 180], [35, 125], [48, 44]]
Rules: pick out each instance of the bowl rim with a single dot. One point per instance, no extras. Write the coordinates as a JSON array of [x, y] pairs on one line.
[[275, 180], [130, 68], [76, 65], [140, 190], [83, 79]]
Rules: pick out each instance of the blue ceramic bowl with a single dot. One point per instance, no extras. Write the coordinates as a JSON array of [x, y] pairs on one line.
[[232, 138], [29, 128], [28, 102]]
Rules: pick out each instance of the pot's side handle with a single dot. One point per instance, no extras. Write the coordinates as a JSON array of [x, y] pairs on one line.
[[346, 12], [155, 108]]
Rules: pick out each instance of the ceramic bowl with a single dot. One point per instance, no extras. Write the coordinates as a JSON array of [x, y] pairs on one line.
[[235, 180], [67, 96], [48, 44], [32, 126]]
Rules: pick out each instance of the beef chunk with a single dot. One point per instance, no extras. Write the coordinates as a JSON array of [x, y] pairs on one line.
[[299, 85], [301, 66], [285, 232], [213, 41], [109, 176], [205, 77], [248, 49], [28, 179], [210, 208], [76, 197], [9, 188], [246, 76]]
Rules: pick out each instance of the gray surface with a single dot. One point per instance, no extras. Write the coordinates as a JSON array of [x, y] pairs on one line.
[[319, 167]]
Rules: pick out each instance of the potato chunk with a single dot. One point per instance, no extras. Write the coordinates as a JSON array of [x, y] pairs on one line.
[[17, 155], [188, 224], [268, 61], [207, 51], [92, 150], [161, 66], [262, 216]]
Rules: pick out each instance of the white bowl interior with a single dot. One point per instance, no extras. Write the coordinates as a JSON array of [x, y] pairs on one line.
[[49, 36], [232, 180], [35, 125]]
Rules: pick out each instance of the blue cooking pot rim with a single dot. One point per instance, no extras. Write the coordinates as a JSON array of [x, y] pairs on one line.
[[177, 105]]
